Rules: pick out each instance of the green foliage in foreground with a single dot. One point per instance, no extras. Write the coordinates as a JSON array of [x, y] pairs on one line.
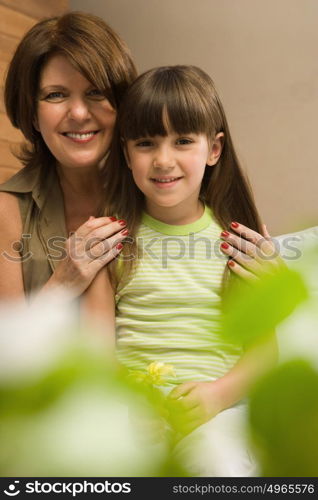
[[254, 310], [284, 420], [80, 418]]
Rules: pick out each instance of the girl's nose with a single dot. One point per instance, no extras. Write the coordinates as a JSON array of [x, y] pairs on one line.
[[78, 110], [163, 158]]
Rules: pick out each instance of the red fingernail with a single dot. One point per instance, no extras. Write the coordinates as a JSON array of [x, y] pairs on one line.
[[225, 245], [235, 224], [119, 246], [112, 219], [122, 222], [225, 234], [231, 263], [124, 232]]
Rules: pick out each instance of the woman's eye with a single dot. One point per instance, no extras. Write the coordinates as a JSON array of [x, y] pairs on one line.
[[184, 141], [97, 94], [54, 96]]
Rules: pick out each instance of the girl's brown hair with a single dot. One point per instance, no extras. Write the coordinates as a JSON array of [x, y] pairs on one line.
[[186, 95], [89, 44]]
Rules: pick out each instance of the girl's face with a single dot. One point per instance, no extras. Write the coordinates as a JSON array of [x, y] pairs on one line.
[[169, 170], [75, 119]]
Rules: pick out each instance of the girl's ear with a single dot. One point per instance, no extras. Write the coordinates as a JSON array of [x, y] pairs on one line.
[[216, 149]]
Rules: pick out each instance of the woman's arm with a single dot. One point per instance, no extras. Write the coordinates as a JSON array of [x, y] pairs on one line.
[[88, 250], [11, 279], [251, 254]]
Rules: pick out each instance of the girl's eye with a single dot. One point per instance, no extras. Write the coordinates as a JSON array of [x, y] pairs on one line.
[[144, 144], [184, 141]]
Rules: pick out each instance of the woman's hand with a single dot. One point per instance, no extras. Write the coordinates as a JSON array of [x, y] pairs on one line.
[[94, 244], [251, 254], [192, 404]]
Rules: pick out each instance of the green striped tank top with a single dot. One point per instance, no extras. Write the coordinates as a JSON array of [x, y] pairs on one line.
[[169, 311]]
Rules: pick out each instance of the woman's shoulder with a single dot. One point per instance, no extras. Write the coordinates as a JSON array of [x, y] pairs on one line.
[[23, 181], [10, 216]]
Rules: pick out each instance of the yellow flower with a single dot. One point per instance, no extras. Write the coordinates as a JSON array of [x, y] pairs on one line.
[[158, 371]]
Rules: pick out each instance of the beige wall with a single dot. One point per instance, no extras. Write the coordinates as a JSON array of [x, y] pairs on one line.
[[16, 17], [262, 55]]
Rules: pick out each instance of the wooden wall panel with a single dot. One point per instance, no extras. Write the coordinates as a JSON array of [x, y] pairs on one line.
[[16, 18], [38, 8], [14, 23]]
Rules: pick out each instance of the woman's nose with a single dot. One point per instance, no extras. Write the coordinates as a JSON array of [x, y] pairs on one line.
[[78, 110]]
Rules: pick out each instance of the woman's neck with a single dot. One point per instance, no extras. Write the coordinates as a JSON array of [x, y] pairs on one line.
[[82, 193], [80, 182]]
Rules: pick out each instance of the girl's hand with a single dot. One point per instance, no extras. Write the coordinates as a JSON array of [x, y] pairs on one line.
[[94, 244], [251, 254], [192, 404]]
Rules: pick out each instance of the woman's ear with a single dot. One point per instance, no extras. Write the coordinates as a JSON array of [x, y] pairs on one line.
[[216, 149]]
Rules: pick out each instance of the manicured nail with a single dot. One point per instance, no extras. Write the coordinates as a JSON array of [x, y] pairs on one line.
[[225, 234], [113, 219], [122, 222], [231, 263], [235, 224], [124, 232], [119, 246], [224, 245]]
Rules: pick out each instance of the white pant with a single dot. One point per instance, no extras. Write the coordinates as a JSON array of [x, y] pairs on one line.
[[219, 447]]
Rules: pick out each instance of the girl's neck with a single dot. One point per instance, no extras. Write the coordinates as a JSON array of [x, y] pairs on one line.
[[177, 215]]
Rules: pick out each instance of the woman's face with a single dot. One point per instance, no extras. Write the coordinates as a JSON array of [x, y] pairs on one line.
[[74, 118]]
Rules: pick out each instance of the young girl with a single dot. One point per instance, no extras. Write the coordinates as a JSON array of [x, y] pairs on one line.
[[173, 175]]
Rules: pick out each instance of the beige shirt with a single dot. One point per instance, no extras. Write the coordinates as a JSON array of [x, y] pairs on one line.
[[43, 223]]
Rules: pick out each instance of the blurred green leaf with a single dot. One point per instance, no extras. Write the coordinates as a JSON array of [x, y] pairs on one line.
[[283, 417], [253, 310]]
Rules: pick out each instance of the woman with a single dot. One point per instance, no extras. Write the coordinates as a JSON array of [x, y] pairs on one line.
[[63, 88]]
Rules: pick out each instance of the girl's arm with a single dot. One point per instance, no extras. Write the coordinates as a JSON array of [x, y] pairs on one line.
[[98, 309], [198, 402]]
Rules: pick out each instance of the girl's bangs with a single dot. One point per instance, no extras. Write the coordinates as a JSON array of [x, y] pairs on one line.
[[168, 106]]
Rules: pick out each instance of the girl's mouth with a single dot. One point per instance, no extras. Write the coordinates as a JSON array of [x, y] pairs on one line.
[[165, 182]]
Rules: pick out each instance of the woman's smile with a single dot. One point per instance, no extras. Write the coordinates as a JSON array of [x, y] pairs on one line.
[[81, 137]]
